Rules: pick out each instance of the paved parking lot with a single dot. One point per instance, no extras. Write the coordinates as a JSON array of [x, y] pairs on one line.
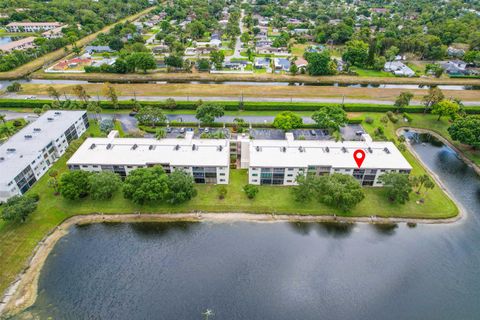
[[350, 131], [176, 132], [311, 134], [273, 134]]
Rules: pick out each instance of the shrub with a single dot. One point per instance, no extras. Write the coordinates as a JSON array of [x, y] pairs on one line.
[[222, 192], [369, 120], [392, 117], [106, 125], [250, 190], [104, 184], [407, 117]]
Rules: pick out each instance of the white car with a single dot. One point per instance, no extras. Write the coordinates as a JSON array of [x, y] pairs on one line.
[[31, 98]]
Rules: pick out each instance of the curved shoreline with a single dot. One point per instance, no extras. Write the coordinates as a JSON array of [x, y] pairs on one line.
[[23, 292]]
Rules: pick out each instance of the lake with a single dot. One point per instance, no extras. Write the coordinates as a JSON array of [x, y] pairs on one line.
[[273, 270]]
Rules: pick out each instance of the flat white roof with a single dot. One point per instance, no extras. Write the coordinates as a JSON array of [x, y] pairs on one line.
[[302, 153], [40, 133], [142, 151]]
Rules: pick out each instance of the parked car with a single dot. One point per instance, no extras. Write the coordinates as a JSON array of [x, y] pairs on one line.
[[31, 98], [182, 130], [359, 132], [206, 130], [133, 113], [169, 129], [313, 132]]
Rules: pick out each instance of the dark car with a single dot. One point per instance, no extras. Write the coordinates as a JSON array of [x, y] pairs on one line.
[[133, 113]]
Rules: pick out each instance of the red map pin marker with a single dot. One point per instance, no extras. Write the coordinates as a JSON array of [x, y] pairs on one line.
[[359, 156]]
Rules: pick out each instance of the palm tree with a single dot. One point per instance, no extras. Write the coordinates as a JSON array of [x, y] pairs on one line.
[[3, 119], [160, 133]]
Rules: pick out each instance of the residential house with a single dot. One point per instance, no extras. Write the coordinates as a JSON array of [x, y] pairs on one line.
[[455, 67], [98, 49], [281, 64], [261, 63], [398, 69]]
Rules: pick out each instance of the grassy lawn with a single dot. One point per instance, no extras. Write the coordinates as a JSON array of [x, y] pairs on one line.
[[298, 49], [428, 122], [18, 240], [13, 129], [372, 73]]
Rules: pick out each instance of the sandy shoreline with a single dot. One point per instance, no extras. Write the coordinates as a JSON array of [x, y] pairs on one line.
[[23, 292]]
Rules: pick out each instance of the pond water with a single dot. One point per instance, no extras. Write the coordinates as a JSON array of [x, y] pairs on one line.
[[7, 39], [273, 270]]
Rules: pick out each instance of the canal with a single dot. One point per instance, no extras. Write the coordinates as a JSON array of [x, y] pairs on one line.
[[273, 270]]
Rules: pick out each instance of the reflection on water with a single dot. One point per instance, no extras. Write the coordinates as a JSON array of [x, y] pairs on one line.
[[273, 270]]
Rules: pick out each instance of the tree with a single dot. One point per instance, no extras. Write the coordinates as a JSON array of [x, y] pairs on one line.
[[141, 61], [207, 113], [287, 121], [52, 92], [152, 116], [422, 181], [74, 184], [306, 188], [435, 69], [320, 63], [466, 130], [103, 185], [14, 87], [340, 191], [250, 190], [81, 93], [403, 100], [397, 185], [293, 69], [445, 108], [217, 57], [18, 208], [330, 117], [356, 53], [37, 111], [391, 53], [110, 92], [181, 187], [146, 185], [3, 118], [174, 61], [106, 125], [203, 65], [160, 133], [170, 103], [434, 96]]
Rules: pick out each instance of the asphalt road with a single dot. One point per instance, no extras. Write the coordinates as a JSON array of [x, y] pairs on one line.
[[232, 98]]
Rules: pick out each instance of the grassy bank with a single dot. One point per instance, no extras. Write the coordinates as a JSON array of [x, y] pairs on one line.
[[36, 64], [18, 240]]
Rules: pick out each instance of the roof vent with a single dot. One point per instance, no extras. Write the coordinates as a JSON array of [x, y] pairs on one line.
[[109, 146], [37, 129], [57, 113], [194, 147], [151, 147], [327, 149], [134, 147], [177, 147], [2, 158], [370, 150], [11, 150], [301, 149], [258, 148], [93, 146], [28, 136], [344, 150], [50, 119], [386, 150], [283, 149], [220, 148]]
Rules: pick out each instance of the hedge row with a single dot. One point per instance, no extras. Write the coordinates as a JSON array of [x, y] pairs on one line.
[[235, 106]]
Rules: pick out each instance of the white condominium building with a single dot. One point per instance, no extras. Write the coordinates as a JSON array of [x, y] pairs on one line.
[[279, 162], [28, 154], [31, 26], [207, 160]]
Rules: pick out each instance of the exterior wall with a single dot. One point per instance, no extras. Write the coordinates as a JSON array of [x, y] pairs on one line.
[[40, 165], [366, 177], [222, 174], [31, 28]]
